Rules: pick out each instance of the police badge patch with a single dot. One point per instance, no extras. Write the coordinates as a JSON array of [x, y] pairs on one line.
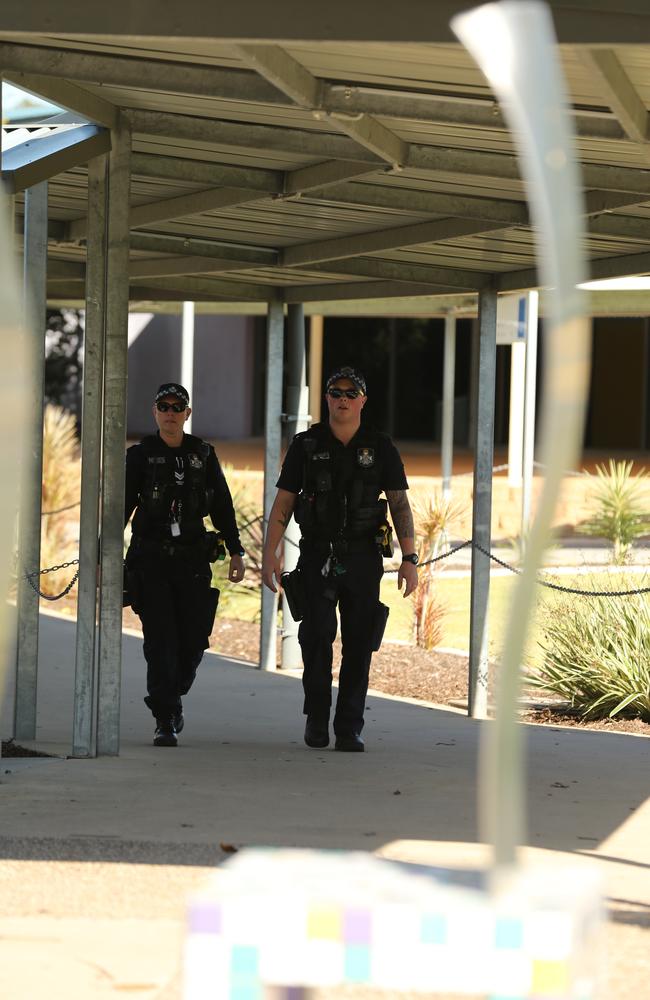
[[365, 457], [195, 461]]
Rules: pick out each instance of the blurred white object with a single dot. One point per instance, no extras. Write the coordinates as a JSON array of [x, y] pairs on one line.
[[514, 44], [314, 918]]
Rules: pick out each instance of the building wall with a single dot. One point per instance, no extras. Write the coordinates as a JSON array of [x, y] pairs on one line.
[[222, 403]]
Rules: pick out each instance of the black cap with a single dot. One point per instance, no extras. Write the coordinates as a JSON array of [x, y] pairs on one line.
[[173, 389], [350, 373]]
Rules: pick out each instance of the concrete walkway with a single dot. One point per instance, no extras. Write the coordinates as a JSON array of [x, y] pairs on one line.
[[97, 856]]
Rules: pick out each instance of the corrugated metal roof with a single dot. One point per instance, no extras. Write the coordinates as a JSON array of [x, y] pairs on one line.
[[433, 198]]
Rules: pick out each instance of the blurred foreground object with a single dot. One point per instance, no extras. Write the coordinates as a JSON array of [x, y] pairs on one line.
[[290, 918]]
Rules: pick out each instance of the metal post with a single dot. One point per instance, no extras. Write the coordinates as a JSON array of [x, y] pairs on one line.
[[516, 418], [530, 389], [273, 441], [392, 376], [187, 354], [29, 544], [482, 507], [84, 737], [448, 384], [115, 373], [315, 366], [297, 421]]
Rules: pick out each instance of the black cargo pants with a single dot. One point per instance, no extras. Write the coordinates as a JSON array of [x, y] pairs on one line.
[[176, 605], [356, 592]]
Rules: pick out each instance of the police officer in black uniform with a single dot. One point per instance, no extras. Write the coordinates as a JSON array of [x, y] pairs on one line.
[[331, 481], [173, 481]]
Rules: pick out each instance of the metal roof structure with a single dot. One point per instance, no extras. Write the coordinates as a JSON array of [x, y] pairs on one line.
[[369, 165]]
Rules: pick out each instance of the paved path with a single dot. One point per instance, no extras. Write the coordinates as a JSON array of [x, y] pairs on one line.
[[97, 856]]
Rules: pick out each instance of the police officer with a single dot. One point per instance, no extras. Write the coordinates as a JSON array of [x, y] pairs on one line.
[[331, 481], [174, 480]]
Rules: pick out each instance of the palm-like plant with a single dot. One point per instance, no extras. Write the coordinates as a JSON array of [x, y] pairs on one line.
[[620, 516], [60, 490]]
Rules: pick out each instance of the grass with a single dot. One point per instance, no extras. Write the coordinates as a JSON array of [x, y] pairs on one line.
[[455, 592]]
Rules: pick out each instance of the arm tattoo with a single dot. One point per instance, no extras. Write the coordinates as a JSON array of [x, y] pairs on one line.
[[400, 512]]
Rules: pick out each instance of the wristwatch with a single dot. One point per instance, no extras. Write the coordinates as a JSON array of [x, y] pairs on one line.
[[412, 557]]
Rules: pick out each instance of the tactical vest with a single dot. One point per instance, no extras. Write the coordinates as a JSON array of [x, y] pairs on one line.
[[334, 503], [159, 489]]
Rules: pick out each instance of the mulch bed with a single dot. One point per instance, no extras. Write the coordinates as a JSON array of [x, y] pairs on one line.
[[11, 749], [407, 672]]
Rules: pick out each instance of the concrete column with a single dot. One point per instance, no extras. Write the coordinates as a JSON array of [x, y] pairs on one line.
[[84, 737], [315, 367], [187, 355], [273, 442], [297, 394], [482, 506], [29, 539], [115, 374], [448, 399]]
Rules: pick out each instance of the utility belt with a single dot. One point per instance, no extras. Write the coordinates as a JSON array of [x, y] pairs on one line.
[[209, 546]]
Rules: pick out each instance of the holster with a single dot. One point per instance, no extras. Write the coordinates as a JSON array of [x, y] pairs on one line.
[[130, 588], [212, 600], [379, 625], [294, 588]]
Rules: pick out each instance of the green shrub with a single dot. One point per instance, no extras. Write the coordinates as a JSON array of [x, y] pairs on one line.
[[596, 651], [620, 516]]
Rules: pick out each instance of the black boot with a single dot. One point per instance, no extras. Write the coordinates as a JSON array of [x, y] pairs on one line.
[[165, 735], [316, 732]]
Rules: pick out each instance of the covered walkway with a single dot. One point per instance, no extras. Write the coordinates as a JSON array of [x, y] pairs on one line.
[[97, 856]]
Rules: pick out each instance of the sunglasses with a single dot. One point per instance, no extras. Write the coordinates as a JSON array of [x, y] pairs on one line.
[[348, 393], [162, 407]]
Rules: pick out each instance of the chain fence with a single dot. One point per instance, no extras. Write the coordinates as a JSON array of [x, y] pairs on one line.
[[469, 543]]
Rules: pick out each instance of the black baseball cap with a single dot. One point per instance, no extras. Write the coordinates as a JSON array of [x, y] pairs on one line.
[[352, 374], [172, 389]]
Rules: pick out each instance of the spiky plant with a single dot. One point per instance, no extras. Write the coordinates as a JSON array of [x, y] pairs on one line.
[[620, 514], [596, 652]]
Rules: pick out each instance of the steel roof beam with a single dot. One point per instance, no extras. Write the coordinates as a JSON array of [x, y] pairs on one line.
[[309, 144], [164, 75], [619, 93], [319, 145], [208, 174], [358, 290], [239, 291], [384, 239], [169, 243], [66, 95], [37, 160], [159, 267], [405, 271], [363, 20]]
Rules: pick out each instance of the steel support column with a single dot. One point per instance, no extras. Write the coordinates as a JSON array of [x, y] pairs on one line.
[[530, 392], [84, 736], [482, 506], [448, 399], [297, 421], [114, 409], [273, 442], [29, 544]]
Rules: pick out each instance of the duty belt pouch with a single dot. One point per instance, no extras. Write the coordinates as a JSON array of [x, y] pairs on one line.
[[214, 546], [294, 588], [379, 625]]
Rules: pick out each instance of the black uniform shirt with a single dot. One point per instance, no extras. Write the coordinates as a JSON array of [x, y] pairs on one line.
[[222, 512], [389, 464]]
